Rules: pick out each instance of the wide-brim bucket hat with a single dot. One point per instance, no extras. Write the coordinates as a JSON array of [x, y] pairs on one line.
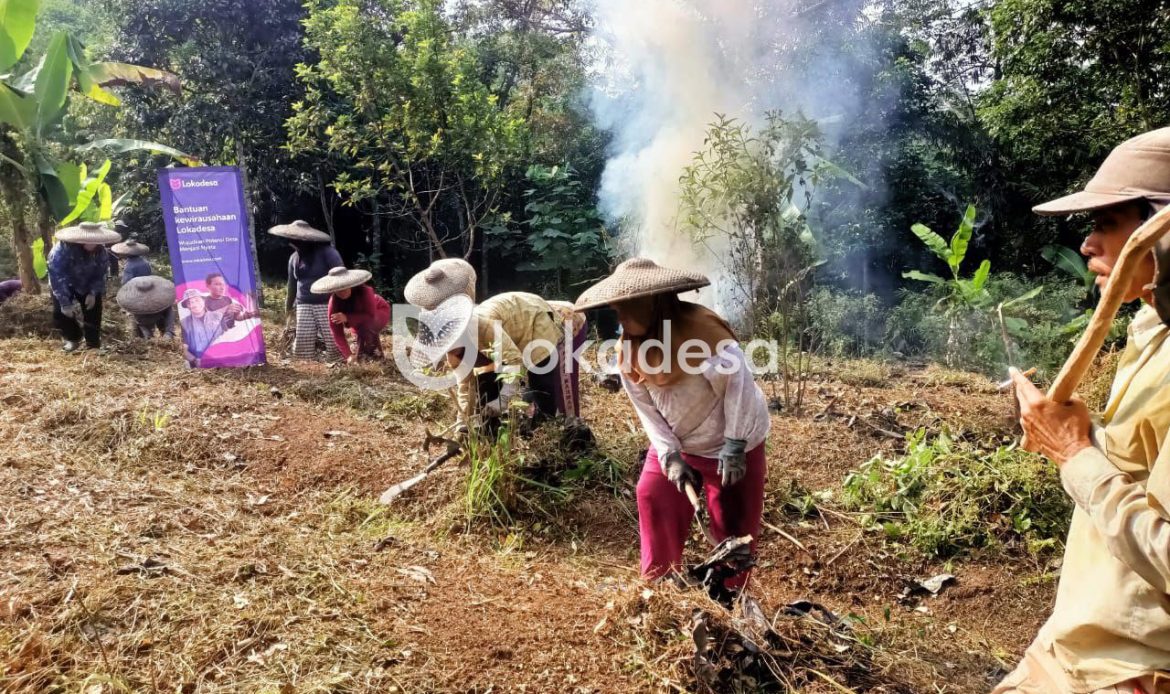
[[89, 233], [442, 280], [1137, 169], [130, 247], [638, 277], [340, 278], [300, 230], [191, 294], [146, 295], [441, 330]]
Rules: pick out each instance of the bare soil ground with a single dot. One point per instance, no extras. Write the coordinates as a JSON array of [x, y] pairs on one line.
[[178, 530]]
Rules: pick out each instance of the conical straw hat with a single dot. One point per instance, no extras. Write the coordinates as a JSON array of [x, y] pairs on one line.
[[300, 230], [340, 278], [440, 330], [145, 295], [442, 280], [89, 232], [130, 247], [639, 277]]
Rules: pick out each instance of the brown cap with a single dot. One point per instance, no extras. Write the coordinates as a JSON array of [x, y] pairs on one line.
[[1137, 169], [639, 277]]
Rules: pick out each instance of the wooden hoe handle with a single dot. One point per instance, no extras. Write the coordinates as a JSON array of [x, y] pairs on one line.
[[1141, 243]]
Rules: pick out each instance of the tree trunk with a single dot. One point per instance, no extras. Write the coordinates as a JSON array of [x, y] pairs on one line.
[[45, 222], [242, 162], [16, 202]]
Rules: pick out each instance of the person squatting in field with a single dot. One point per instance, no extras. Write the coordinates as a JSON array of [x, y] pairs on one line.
[[517, 325], [706, 418], [150, 303], [77, 278], [354, 305], [312, 258], [1110, 626]]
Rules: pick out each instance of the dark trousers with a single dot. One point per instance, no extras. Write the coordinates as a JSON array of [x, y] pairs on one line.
[[90, 327]]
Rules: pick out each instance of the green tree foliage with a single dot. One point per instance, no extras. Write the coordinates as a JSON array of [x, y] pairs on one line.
[[237, 63], [398, 108], [561, 236], [40, 149], [1073, 80]]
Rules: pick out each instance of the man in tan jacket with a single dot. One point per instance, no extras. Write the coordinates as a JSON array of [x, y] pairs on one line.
[[1110, 627]]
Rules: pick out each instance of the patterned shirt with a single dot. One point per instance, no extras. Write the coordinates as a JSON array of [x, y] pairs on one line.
[[74, 273], [136, 266]]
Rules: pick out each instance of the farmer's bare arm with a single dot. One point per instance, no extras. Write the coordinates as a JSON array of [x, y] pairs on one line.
[[1134, 523]]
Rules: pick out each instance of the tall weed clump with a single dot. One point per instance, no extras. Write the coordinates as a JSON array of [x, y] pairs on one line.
[[947, 497]]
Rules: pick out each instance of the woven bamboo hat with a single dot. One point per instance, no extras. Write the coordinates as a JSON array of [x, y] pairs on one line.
[[639, 277], [442, 280], [89, 232], [130, 247], [300, 230], [440, 330], [145, 295], [340, 278]]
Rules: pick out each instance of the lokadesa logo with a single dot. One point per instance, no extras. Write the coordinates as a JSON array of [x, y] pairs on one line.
[[180, 183]]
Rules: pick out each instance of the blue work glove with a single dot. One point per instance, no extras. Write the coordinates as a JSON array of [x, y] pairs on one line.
[[678, 472], [732, 461]]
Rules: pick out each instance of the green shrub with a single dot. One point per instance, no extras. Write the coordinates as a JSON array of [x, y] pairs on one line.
[[1038, 331], [846, 323], [946, 496]]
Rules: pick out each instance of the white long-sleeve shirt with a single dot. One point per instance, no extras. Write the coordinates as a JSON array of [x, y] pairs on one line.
[[697, 412]]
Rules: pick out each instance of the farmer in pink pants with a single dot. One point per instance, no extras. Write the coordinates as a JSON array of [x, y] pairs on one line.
[[698, 402]]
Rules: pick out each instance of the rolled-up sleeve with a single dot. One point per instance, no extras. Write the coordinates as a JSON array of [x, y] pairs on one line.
[[1136, 532]]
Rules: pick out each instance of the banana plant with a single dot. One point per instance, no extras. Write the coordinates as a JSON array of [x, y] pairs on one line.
[[39, 161], [1072, 263], [963, 296], [961, 292]]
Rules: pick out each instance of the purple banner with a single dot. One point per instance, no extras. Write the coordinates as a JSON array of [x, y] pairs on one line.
[[207, 232]]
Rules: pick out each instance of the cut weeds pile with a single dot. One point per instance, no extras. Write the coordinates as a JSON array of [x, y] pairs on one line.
[[177, 530]]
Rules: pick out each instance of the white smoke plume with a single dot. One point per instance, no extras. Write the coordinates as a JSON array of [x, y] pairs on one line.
[[667, 68]]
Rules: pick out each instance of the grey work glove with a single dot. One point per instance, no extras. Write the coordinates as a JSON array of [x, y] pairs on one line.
[[678, 472], [90, 301], [73, 311], [497, 407], [732, 461]]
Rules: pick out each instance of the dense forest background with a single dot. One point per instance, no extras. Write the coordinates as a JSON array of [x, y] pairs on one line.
[[414, 128]]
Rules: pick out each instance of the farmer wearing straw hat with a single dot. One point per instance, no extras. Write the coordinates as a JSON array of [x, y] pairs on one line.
[[134, 253], [150, 301], [312, 258], [693, 390], [1110, 627], [201, 328], [520, 330], [353, 304], [77, 278]]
